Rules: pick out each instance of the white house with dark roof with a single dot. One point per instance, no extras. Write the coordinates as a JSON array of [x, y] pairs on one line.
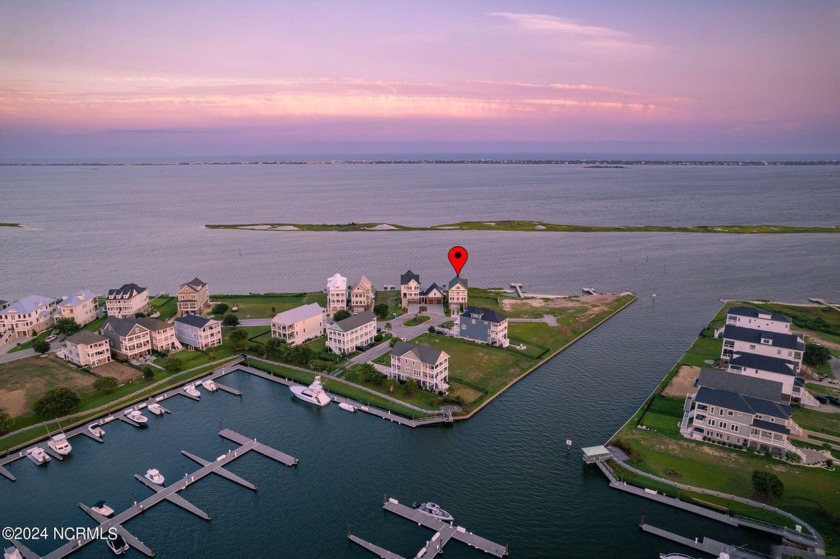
[[336, 294], [127, 301], [87, 349], [483, 325], [28, 316], [345, 336], [739, 410], [757, 319], [782, 371], [80, 307], [409, 289], [428, 366], [129, 339], [432, 295], [162, 334], [457, 294], [362, 296], [198, 332], [299, 324], [737, 339], [193, 297]]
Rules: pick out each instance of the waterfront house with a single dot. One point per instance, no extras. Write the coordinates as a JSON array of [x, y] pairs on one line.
[[3, 304], [362, 295], [432, 295], [80, 307], [409, 289], [457, 294], [299, 324], [357, 331], [737, 339], [198, 332], [739, 410], [193, 298], [162, 334], [428, 366], [782, 371], [129, 339], [336, 294], [87, 349], [483, 325], [127, 301], [749, 317], [28, 316]]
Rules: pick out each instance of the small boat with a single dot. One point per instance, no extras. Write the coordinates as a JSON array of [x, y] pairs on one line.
[[154, 476], [191, 390], [96, 430], [38, 455], [589, 290], [347, 407], [136, 416], [117, 545], [101, 508], [155, 409], [209, 385], [12, 553], [314, 393], [433, 510], [60, 444]]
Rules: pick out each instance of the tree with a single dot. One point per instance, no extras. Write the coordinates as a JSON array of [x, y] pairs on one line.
[[301, 354], [148, 373], [41, 346], [6, 422], [815, 355], [381, 311], [220, 308], [272, 346], [66, 326], [58, 401], [432, 330], [341, 315], [237, 337], [422, 309], [388, 326], [230, 319], [174, 364], [368, 373], [105, 385], [768, 484]]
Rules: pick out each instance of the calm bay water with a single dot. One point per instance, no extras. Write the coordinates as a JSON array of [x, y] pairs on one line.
[[505, 474]]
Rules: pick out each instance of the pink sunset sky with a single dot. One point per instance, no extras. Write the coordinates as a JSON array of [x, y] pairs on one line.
[[144, 79]]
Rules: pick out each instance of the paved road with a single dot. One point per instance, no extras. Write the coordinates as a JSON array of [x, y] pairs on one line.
[[24, 353], [255, 322]]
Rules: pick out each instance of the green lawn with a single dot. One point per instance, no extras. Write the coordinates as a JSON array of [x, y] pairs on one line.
[[828, 423], [417, 321], [167, 306], [393, 388], [384, 359], [268, 304], [193, 358], [317, 345]]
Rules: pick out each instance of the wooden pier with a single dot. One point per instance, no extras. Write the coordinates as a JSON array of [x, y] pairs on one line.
[[170, 493], [706, 545], [444, 532]]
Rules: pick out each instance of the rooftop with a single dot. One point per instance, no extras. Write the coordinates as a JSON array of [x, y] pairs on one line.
[[751, 312], [750, 335], [127, 290], [424, 353], [337, 282], [121, 326], [483, 313], [77, 298], [84, 338], [152, 323], [195, 320], [738, 402], [28, 304], [432, 288], [355, 321], [456, 280], [408, 276], [298, 313], [195, 283], [741, 384], [763, 363]]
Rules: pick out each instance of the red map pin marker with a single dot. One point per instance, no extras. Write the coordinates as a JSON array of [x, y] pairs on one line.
[[458, 257]]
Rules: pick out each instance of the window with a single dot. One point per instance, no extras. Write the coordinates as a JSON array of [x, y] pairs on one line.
[[752, 346], [730, 413]]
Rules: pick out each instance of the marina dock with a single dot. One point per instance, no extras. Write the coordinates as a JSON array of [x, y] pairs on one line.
[[444, 533], [706, 545]]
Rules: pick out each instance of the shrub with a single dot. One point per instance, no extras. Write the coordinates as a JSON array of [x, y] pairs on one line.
[[105, 385], [58, 401], [174, 364], [66, 326], [341, 315], [148, 373], [378, 338], [230, 319], [6, 422], [41, 346], [381, 311], [220, 308], [767, 483]]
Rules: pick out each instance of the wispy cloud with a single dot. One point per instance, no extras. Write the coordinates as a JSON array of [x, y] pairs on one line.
[[593, 37]]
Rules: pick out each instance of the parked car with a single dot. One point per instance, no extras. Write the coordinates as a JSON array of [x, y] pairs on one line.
[[51, 337], [821, 399], [834, 400]]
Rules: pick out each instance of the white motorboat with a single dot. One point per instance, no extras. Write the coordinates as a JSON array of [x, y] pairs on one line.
[[209, 385], [347, 407], [155, 408], [136, 416], [101, 508], [38, 455], [60, 444], [12, 553], [314, 393], [154, 476], [433, 510], [191, 390], [96, 430], [118, 545]]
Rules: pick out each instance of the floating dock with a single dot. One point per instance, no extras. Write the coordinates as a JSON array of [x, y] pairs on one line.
[[444, 533], [706, 545]]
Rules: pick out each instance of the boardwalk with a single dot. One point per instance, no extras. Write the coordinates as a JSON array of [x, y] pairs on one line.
[[706, 545]]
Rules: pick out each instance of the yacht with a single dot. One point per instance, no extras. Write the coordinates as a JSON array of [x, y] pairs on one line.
[[117, 545], [12, 553], [209, 385], [314, 393], [96, 430], [433, 510], [60, 444], [38, 455], [347, 407], [136, 416], [155, 409], [101, 508], [154, 476], [191, 390]]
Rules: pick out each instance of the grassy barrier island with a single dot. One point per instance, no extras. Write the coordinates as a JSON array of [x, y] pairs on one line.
[[533, 226], [652, 439]]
